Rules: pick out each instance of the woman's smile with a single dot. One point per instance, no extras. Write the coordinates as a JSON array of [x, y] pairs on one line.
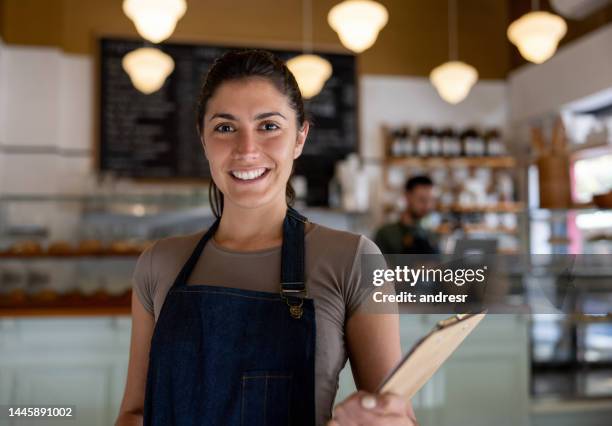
[[247, 176]]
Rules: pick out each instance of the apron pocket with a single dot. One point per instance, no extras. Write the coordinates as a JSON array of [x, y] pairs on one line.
[[266, 397]]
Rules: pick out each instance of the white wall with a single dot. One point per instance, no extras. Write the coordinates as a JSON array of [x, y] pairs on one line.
[[578, 70], [46, 111], [414, 101]]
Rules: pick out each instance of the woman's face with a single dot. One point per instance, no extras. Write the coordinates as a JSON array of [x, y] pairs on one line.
[[250, 136]]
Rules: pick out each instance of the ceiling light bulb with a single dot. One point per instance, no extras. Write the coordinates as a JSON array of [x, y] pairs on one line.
[[148, 68], [358, 23], [453, 80], [155, 20], [537, 34], [311, 72]]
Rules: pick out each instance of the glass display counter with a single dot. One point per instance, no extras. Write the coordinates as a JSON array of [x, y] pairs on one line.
[[76, 254]]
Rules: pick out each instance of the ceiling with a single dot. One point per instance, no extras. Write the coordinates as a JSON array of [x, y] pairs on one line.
[[414, 41]]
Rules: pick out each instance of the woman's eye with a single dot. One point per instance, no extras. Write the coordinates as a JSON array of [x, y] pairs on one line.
[[224, 128], [270, 126]]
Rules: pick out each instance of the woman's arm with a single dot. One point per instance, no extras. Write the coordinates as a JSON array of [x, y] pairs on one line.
[[373, 346], [132, 405], [374, 349]]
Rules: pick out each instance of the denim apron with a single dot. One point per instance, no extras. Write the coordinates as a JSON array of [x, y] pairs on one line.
[[227, 356]]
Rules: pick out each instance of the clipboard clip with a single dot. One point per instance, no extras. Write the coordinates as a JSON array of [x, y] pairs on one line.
[[457, 318]]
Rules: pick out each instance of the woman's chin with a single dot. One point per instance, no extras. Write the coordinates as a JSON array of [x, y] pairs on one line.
[[249, 199]]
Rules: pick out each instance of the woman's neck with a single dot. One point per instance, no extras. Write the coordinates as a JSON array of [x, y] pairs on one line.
[[251, 229]]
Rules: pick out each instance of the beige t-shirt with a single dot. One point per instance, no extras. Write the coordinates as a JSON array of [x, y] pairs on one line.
[[332, 274]]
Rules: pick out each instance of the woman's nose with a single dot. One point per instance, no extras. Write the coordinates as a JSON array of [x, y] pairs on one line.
[[246, 144]]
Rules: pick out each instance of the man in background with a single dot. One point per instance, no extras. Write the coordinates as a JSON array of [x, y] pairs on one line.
[[407, 236]]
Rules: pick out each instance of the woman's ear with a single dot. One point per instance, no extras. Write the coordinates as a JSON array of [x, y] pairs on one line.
[[301, 139]]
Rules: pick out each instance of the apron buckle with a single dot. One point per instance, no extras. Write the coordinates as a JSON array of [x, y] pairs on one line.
[[295, 303], [296, 311]]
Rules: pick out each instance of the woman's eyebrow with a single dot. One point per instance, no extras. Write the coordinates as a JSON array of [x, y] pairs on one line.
[[223, 115], [268, 114]]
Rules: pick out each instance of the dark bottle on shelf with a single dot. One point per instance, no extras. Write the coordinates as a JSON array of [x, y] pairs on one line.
[[394, 147], [401, 145], [435, 143], [494, 143], [479, 145], [451, 145], [472, 143], [423, 142], [406, 144]]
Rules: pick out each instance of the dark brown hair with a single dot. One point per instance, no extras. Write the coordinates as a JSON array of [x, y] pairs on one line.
[[418, 180], [239, 64]]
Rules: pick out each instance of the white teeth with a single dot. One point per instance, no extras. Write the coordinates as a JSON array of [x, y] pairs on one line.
[[248, 175]]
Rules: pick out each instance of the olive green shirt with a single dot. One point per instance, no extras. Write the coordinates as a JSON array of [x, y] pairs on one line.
[[399, 238]]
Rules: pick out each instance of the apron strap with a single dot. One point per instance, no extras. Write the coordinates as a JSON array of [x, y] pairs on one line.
[[292, 261], [183, 276], [293, 290]]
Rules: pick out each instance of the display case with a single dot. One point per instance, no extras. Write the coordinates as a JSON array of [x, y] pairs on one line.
[[572, 352], [75, 254]]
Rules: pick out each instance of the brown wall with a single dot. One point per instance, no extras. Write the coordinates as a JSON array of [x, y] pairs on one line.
[[413, 42]]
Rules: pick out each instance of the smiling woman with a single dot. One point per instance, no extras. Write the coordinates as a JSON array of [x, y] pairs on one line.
[[251, 321]]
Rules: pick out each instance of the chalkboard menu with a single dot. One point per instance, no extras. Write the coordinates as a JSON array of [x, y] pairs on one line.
[[154, 136]]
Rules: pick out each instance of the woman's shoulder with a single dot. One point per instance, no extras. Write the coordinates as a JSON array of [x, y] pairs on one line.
[[165, 254]]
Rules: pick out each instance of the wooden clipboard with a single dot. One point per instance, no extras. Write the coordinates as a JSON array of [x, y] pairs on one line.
[[428, 354]]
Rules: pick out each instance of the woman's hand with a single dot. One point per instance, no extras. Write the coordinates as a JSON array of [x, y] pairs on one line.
[[362, 408]]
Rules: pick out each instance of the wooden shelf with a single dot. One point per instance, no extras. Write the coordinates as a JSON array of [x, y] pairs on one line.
[[44, 255], [478, 229], [483, 229], [428, 162], [62, 312], [18, 303], [505, 207]]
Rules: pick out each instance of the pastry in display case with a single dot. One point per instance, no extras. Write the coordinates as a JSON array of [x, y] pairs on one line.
[[76, 254]]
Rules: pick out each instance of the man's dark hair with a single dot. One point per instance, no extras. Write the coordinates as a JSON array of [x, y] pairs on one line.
[[415, 181]]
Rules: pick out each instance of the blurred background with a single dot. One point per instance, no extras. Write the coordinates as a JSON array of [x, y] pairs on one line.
[[502, 109]]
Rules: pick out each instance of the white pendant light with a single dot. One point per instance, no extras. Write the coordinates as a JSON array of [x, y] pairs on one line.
[[453, 79], [537, 34], [311, 72], [155, 20], [358, 23], [148, 68]]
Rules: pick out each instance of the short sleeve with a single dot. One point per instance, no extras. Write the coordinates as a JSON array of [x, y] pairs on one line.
[[359, 287], [142, 279]]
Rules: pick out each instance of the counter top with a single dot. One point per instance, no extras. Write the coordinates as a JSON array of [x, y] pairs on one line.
[[48, 303]]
